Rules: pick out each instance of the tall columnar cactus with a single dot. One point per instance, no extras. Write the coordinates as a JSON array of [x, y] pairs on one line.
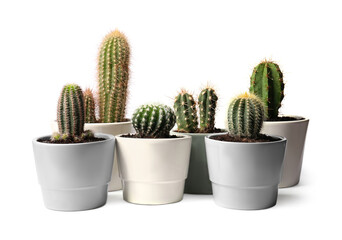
[[70, 111], [154, 121], [267, 83], [89, 106], [186, 113], [207, 107], [113, 74], [245, 116]]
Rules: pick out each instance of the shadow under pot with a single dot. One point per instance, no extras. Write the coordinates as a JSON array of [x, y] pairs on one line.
[[74, 176], [113, 129], [153, 171], [198, 176], [295, 133], [245, 175]]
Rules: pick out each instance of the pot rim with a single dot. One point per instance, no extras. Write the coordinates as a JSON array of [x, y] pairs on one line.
[[198, 134], [288, 122], [108, 137], [280, 139], [153, 139]]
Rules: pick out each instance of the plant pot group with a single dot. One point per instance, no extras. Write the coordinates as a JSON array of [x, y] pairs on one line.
[[158, 171]]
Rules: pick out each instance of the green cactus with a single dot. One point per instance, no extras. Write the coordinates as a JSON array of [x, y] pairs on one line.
[[186, 112], [113, 74], [70, 111], [89, 106], [154, 121], [207, 107], [245, 116], [267, 83]]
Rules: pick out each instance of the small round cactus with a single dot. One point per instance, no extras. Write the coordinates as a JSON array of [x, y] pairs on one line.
[[267, 83], [70, 111], [186, 112], [245, 116], [207, 107], [153, 121], [89, 106]]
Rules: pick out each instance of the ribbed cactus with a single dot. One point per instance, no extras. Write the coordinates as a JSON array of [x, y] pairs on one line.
[[154, 121], [113, 74], [207, 107], [70, 111], [245, 116], [89, 106], [186, 112], [267, 83]]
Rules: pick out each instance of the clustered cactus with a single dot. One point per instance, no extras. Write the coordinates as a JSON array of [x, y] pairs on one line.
[[267, 83], [113, 74], [153, 121], [70, 115], [186, 112], [89, 106], [245, 116]]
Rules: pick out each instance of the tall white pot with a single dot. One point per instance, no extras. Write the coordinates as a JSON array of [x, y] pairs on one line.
[[113, 129], [295, 133], [153, 171]]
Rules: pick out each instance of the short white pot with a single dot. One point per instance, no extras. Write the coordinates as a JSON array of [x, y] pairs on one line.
[[113, 129], [153, 171], [74, 177], [245, 175], [295, 133]]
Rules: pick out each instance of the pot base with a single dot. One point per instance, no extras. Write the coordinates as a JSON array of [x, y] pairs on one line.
[[251, 198], [153, 193], [77, 199]]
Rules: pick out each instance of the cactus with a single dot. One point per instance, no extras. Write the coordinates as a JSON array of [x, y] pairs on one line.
[[245, 116], [186, 113], [89, 106], [267, 83], [113, 74], [154, 121], [70, 111], [207, 107]]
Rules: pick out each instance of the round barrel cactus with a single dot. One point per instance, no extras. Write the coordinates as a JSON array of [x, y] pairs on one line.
[[153, 121], [245, 116]]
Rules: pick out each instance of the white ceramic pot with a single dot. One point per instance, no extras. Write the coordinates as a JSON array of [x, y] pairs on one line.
[[245, 175], [107, 128], [74, 177], [153, 171], [295, 133]]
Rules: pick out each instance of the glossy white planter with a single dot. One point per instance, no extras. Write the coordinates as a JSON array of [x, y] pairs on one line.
[[245, 175], [107, 128], [295, 133], [153, 171], [74, 177]]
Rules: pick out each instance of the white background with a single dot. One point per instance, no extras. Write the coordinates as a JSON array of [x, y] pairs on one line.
[[174, 44]]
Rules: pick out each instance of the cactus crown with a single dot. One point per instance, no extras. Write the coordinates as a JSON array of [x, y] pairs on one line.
[[89, 106], [245, 116], [70, 111], [267, 83], [186, 112], [207, 107], [113, 74], [153, 121]]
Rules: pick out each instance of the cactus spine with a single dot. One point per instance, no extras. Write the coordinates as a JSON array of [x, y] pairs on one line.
[[89, 106], [245, 116], [70, 111], [113, 74], [207, 107], [186, 112], [267, 83], [154, 121]]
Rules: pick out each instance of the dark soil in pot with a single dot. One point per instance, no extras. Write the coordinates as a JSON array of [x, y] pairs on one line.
[[284, 118], [259, 138], [137, 136], [216, 130], [67, 141]]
